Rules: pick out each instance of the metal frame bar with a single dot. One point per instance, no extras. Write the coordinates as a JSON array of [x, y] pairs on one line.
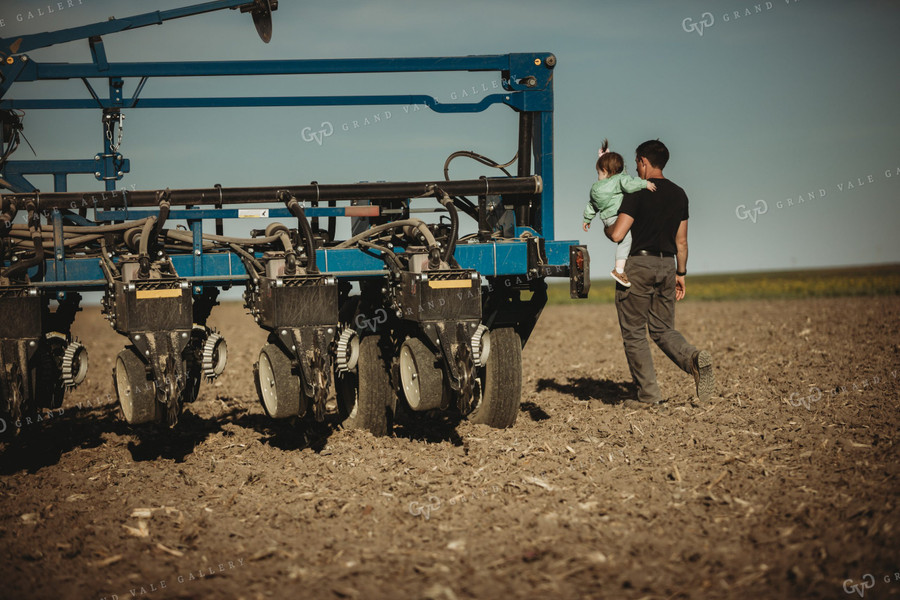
[[527, 88]]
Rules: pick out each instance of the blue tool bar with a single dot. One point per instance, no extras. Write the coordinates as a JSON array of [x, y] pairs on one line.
[[33, 71], [512, 99], [504, 258], [225, 213]]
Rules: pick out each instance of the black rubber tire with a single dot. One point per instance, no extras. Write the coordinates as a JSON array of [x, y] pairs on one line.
[[135, 392], [501, 381], [364, 395], [278, 386]]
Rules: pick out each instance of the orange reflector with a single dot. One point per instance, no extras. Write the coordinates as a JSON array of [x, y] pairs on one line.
[[444, 284], [147, 294], [362, 211]]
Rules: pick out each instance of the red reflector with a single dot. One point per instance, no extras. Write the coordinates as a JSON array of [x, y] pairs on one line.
[[362, 211]]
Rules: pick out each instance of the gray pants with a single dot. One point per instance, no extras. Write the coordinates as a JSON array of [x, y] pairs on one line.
[[650, 304]]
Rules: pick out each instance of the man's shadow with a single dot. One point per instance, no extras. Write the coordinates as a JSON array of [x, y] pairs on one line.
[[606, 391]]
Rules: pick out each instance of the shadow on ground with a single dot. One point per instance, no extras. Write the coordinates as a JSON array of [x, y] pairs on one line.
[[606, 391]]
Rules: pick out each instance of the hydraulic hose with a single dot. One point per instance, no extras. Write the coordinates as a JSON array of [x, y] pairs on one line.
[[34, 223], [305, 230], [447, 202], [6, 220], [163, 215], [388, 256], [420, 225], [86, 229], [144, 258], [68, 243]]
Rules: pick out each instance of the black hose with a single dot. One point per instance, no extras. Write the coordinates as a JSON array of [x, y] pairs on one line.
[[387, 255], [447, 202], [163, 215], [478, 157], [305, 230], [144, 258]]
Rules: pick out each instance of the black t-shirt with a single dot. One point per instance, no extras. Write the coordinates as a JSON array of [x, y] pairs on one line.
[[656, 215]]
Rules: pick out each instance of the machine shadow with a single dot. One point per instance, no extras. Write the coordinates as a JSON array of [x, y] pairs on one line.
[[430, 428], [287, 434], [35, 444], [606, 391], [176, 443]]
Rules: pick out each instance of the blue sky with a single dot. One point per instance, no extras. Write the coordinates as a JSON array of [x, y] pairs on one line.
[[764, 105]]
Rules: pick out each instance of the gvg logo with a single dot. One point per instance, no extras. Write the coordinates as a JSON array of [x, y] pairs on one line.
[[806, 401], [326, 130], [363, 323], [743, 213], [867, 583], [416, 509], [706, 20]]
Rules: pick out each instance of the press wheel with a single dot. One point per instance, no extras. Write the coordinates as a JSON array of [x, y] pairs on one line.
[[279, 387], [135, 391]]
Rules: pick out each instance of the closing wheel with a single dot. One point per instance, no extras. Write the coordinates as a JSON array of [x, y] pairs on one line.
[[420, 376], [136, 393], [502, 379], [363, 395], [214, 355], [50, 387], [279, 387]]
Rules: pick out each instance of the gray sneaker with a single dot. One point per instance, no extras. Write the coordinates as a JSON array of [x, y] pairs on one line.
[[705, 380]]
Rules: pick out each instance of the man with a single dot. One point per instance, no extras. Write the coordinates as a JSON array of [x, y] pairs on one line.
[[658, 222]]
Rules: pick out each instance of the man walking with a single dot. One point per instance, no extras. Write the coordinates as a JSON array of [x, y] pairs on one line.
[[658, 222]]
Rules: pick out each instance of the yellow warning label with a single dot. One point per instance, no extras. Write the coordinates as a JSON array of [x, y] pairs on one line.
[[445, 284], [146, 294]]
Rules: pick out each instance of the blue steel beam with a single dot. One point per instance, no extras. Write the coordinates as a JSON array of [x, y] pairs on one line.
[[250, 102], [505, 258], [512, 63]]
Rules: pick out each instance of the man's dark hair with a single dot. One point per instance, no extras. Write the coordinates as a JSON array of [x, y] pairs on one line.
[[655, 152]]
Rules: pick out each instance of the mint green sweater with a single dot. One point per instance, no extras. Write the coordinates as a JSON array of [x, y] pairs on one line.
[[606, 195]]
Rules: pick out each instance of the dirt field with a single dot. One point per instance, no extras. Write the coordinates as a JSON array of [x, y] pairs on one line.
[[787, 486]]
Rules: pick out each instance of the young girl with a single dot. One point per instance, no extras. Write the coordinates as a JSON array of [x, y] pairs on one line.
[[606, 197]]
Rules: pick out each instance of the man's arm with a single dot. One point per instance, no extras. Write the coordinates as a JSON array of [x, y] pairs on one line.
[[616, 232], [681, 256]]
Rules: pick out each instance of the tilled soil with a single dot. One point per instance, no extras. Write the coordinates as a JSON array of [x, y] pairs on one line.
[[785, 486]]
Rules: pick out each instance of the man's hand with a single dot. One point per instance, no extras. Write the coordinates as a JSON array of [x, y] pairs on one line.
[[651, 186], [586, 226], [679, 287]]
